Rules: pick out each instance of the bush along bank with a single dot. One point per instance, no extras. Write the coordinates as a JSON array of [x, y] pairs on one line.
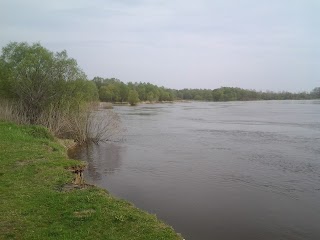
[[39, 199]]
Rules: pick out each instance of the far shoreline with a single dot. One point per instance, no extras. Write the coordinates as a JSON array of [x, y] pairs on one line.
[[109, 105]]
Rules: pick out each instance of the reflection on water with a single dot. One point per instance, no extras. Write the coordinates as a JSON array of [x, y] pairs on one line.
[[102, 159], [236, 170]]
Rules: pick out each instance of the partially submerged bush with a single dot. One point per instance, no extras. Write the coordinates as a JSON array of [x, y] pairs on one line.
[[133, 97], [86, 125], [103, 126]]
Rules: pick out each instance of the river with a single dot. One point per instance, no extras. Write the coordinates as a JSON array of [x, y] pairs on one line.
[[230, 170]]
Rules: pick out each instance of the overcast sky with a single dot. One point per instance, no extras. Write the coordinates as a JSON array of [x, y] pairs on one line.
[[253, 44]]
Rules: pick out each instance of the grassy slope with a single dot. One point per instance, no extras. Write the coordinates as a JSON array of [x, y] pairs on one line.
[[34, 204]]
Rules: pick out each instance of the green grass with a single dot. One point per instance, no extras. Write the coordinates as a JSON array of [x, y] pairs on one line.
[[34, 204]]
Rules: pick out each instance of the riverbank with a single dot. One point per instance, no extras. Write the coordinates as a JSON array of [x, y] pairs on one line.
[[40, 201]]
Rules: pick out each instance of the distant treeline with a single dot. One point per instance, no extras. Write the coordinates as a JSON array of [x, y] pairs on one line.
[[40, 82], [113, 90]]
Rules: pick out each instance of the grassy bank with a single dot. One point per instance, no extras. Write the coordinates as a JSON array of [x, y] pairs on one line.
[[38, 200]]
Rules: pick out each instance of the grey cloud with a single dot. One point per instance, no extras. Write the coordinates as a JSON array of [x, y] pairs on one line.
[[205, 44]]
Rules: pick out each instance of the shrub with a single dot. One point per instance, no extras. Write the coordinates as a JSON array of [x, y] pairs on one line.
[[133, 97]]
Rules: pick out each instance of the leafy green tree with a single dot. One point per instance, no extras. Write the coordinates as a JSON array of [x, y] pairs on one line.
[[4, 80], [150, 97], [198, 97], [142, 92], [80, 91], [105, 94], [38, 78], [98, 81], [179, 95], [123, 92], [133, 97], [207, 95], [217, 95]]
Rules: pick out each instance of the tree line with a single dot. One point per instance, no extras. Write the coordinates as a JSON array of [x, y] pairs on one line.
[[114, 90], [41, 82], [239, 94]]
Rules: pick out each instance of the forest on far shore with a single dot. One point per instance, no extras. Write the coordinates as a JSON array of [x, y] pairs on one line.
[[39, 82], [114, 90]]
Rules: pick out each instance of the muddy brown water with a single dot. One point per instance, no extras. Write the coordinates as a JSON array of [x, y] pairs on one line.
[[236, 170]]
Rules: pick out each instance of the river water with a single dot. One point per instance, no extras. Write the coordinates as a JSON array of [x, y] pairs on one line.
[[234, 170]]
